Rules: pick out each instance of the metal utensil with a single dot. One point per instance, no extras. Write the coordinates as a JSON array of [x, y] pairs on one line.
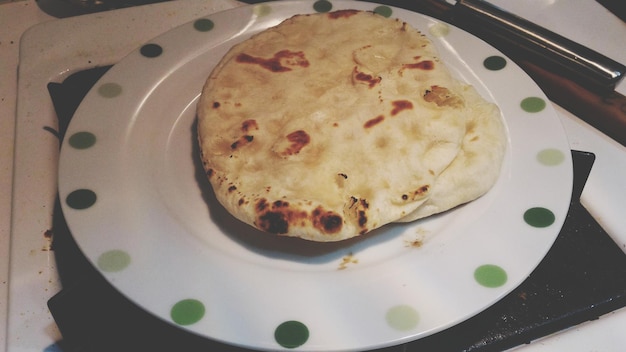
[[581, 63]]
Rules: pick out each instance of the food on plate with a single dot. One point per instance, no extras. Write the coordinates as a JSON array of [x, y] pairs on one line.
[[330, 125]]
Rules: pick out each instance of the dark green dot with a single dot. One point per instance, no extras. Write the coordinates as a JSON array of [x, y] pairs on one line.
[[203, 25], [490, 275], [291, 334], [110, 90], [187, 311], [494, 63], [53, 348], [383, 10], [539, 217], [82, 140], [322, 6], [81, 199], [533, 104], [151, 50]]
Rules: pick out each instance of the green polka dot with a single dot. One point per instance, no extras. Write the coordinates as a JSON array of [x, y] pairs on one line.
[[262, 10], [383, 10], [291, 334], [81, 199], [203, 25], [82, 140], [53, 348], [539, 217], [533, 104], [490, 275], [151, 50], [551, 157], [110, 90], [113, 260], [494, 63], [439, 30], [322, 6], [187, 312], [402, 317]]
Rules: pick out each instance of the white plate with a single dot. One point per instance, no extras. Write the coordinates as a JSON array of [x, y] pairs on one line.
[[139, 206]]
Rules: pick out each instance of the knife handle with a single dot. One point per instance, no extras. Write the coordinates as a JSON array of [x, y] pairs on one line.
[[575, 61], [605, 112]]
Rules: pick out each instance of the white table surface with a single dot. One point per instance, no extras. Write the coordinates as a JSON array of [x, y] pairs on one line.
[[29, 279]]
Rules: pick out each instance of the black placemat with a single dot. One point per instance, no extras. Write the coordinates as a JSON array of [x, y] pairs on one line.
[[582, 277]]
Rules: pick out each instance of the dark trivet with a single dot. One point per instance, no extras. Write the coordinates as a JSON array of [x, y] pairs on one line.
[[582, 277]]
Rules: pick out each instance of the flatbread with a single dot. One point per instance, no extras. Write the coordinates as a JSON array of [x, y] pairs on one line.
[[476, 167], [328, 126]]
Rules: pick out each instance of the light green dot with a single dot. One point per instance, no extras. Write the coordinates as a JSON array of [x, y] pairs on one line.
[[82, 140], [113, 260], [110, 90], [539, 217], [439, 30], [262, 10], [551, 157], [490, 275], [291, 334], [203, 25], [402, 317], [383, 10], [533, 104], [188, 311]]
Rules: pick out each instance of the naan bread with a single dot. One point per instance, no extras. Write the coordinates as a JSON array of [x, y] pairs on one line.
[[477, 165], [328, 126]]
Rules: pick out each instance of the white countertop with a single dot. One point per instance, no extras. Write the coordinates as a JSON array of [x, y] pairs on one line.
[[29, 279]]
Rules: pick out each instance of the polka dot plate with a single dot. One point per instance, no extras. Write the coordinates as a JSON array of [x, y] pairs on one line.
[[136, 200]]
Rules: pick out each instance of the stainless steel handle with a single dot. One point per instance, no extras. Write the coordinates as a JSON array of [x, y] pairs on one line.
[[584, 65]]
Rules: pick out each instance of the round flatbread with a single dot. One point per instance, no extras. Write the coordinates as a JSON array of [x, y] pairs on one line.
[[328, 126], [476, 167]]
